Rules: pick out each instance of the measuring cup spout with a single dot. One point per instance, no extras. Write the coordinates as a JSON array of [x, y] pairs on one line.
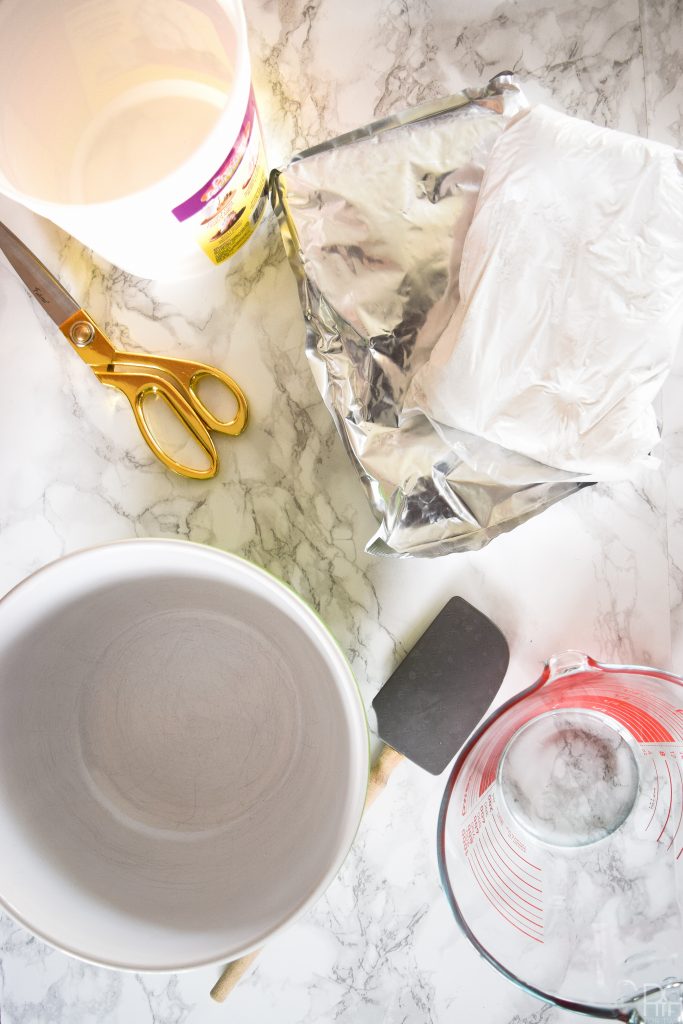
[[567, 663]]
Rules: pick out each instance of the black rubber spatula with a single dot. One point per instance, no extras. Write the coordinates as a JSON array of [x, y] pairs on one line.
[[432, 702]]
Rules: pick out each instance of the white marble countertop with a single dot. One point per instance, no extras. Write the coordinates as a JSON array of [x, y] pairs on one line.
[[602, 571]]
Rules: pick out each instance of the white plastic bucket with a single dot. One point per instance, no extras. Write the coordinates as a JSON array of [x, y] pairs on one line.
[[132, 125], [183, 755]]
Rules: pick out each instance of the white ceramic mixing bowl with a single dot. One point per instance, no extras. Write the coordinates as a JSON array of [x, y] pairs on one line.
[[183, 755]]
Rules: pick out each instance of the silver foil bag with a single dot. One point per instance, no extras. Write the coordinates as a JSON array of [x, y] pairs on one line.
[[374, 223]]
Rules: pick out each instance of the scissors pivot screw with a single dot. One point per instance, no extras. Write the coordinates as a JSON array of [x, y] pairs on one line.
[[82, 333]]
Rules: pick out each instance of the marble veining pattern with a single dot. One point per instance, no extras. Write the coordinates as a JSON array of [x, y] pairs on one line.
[[601, 571]]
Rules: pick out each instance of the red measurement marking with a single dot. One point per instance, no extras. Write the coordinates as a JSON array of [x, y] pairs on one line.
[[626, 716], [537, 918], [658, 709], [621, 703], [656, 797], [499, 910], [664, 710], [490, 766], [643, 726], [680, 817], [498, 897], [488, 774], [661, 733], [671, 798], [667, 717], [506, 881], [482, 773], [511, 847], [530, 920], [497, 849]]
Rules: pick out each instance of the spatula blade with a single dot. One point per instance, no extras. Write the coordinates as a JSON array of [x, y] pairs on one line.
[[439, 692]]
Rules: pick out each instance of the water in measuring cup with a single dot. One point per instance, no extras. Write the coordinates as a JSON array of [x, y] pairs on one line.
[[569, 777]]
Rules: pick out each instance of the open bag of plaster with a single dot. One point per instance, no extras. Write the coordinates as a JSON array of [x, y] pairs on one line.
[[374, 224], [571, 300]]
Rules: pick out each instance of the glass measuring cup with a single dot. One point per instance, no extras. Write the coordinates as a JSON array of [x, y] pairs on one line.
[[560, 840]]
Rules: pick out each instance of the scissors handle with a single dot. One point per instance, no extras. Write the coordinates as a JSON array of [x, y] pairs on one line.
[[138, 387], [188, 374], [139, 376]]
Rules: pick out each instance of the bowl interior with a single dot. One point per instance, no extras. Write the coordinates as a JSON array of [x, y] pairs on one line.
[[182, 755]]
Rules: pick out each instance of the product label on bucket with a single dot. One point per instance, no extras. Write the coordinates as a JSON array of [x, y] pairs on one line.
[[228, 207]]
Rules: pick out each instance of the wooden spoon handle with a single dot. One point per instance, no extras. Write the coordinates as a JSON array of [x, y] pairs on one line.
[[232, 975], [380, 773]]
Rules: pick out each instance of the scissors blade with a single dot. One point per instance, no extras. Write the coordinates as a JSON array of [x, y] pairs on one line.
[[40, 282]]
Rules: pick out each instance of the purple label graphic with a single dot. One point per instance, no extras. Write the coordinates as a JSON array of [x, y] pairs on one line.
[[220, 179]]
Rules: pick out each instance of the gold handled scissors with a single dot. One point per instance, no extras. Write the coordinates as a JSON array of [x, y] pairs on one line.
[[138, 376]]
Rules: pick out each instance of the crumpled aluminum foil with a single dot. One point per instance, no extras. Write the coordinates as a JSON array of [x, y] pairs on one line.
[[373, 223]]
